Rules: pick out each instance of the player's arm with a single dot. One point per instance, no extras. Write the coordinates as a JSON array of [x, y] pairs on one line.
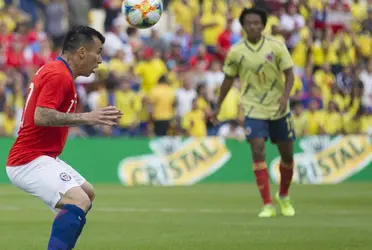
[[52, 95], [230, 70], [225, 88], [53, 118], [289, 81], [285, 64]]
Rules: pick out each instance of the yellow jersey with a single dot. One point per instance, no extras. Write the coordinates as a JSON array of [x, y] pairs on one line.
[[144, 115], [163, 98], [221, 6], [297, 85], [260, 68], [236, 7], [230, 107], [318, 53], [129, 104], [203, 104], [210, 35], [185, 14], [16, 100], [300, 124], [314, 121], [150, 72], [299, 54], [194, 123], [332, 123], [9, 125], [364, 42]]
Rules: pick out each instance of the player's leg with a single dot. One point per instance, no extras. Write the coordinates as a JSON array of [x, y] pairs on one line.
[[85, 185], [46, 179], [282, 133], [89, 190], [70, 221], [257, 131]]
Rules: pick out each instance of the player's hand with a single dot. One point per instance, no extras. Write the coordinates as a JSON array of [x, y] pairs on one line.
[[105, 116], [283, 102], [214, 120]]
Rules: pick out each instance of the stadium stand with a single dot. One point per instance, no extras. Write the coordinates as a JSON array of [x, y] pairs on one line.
[[166, 79]]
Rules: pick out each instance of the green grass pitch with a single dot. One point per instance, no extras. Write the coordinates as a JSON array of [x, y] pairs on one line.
[[205, 217]]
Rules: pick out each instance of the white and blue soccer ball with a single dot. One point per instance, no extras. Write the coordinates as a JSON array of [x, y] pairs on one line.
[[142, 14]]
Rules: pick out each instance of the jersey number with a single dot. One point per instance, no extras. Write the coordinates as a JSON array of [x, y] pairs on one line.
[[30, 91], [71, 105]]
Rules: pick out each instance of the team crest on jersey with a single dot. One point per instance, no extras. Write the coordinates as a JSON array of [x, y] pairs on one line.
[[270, 57], [65, 176], [248, 131]]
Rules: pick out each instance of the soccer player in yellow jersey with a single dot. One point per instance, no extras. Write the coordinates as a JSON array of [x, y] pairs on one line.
[[264, 66]]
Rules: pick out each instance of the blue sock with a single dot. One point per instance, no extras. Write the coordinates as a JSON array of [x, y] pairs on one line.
[[66, 225], [80, 230]]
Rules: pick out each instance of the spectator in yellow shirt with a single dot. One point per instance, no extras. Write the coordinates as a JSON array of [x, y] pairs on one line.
[[299, 120], [318, 50], [359, 12], [129, 104], [202, 99], [212, 24], [163, 100], [324, 77], [314, 117], [150, 70], [230, 107], [194, 122], [8, 126], [364, 46], [332, 122], [185, 12], [355, 121], [221, 6], [236, 6]]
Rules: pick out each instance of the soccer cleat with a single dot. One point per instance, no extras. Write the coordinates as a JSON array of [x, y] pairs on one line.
[[285, 204], [267, 212]]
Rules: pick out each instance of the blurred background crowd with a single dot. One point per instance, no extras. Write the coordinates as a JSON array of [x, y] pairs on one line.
[[166, 79]]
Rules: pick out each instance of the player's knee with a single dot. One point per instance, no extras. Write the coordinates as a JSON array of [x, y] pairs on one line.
[[258, 151], [84, 203], [92, 195], [287, 159], [79, 198], [89, 190]]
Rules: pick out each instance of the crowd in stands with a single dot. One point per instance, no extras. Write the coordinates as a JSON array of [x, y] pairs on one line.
[[167, 82]]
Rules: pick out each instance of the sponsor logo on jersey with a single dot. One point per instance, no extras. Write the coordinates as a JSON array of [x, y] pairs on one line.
[[328, 161], [248, 131], [65, 176], [175, 162]]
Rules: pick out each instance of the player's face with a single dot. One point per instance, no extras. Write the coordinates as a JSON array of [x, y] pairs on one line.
[[253, 26], [92, 58]]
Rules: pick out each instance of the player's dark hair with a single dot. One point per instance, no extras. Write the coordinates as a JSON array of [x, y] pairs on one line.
[[79, 36], [258, 11]]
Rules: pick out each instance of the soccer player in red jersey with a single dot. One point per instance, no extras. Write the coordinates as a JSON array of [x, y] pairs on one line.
[[265, 68], [33, 164]]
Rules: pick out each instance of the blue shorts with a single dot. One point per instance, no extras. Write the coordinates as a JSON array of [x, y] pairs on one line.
[[278, 130]]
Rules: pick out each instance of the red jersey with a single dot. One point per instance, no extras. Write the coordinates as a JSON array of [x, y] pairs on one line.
[[52, 87]]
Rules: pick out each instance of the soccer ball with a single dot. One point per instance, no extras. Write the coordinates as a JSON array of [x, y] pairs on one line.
[[142, 14]]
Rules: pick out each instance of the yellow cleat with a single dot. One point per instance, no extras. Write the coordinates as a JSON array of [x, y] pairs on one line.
[[286, 206], [267, 212]]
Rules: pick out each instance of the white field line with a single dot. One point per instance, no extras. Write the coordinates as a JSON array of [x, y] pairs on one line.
[[187, 211]]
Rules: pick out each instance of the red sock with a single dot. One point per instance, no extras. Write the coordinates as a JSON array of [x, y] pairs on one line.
[[262, 180], [286, 173]]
